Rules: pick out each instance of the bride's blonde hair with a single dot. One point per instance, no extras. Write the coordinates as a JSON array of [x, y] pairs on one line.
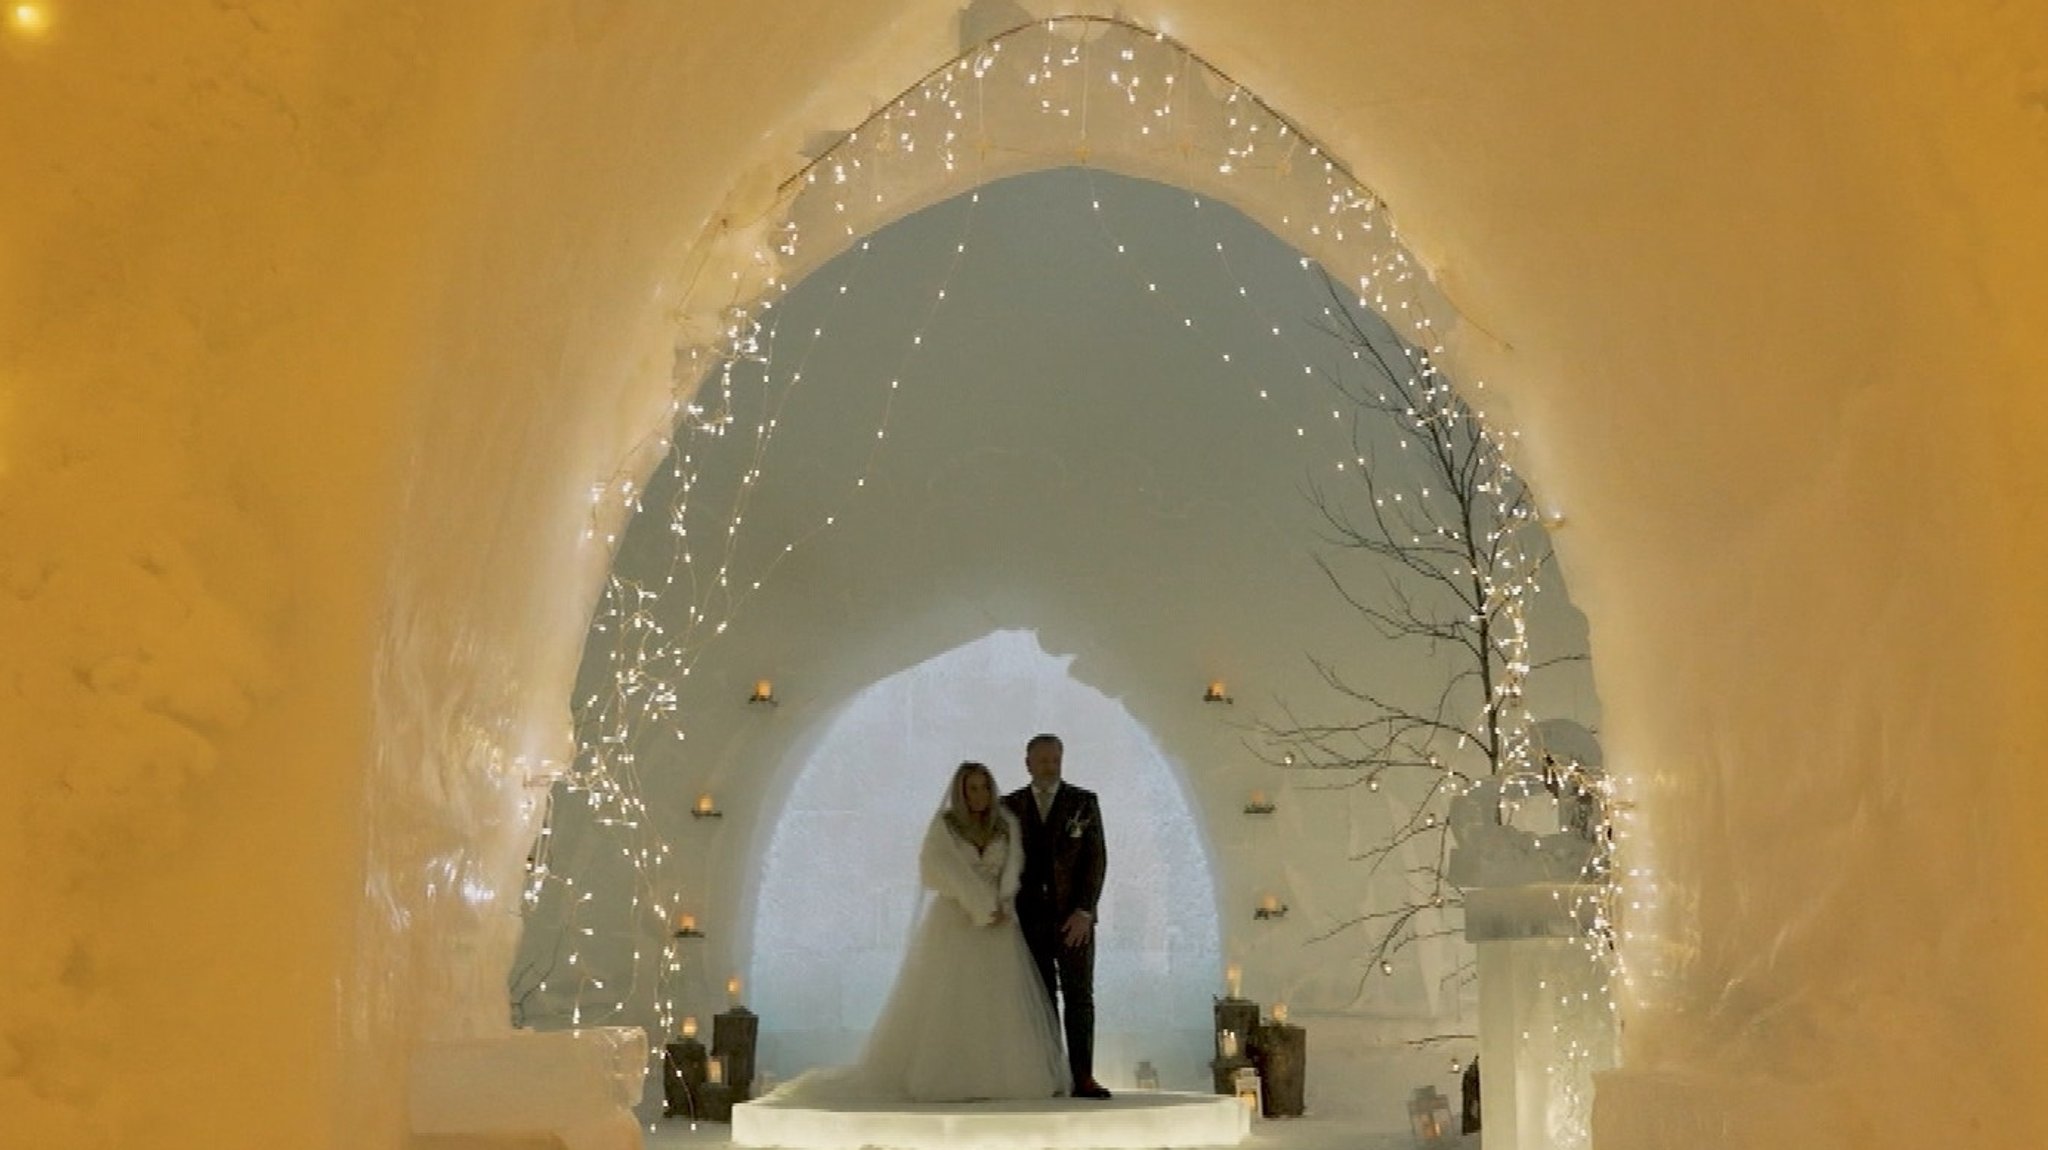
[[979, 829]]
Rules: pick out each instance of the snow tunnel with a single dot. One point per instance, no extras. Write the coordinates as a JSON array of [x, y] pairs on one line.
[[329, 330]]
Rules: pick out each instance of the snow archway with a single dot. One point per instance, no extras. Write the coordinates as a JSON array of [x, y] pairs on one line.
[[297, 719], [838, 888], [1102, 92]]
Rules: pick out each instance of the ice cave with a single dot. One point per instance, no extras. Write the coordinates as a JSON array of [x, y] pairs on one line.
[[358, 361]]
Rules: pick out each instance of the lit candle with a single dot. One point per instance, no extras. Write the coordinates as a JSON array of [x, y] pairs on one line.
[[690, 1027], [1216, 688], [686, 922], [764, 689], [1258, 798], [714, 1071], [1226, 1044], [704, 804], [1233, 980], [732, 989], [1279, 1012], [1270, 903]]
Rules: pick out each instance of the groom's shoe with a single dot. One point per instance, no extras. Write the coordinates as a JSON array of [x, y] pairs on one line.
[[1090, 1089]]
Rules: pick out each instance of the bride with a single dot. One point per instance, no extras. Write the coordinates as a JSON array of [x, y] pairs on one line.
[[969, 1018]]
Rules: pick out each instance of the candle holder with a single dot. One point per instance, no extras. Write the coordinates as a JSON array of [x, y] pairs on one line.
[[1250, 1090], [705, 808], [1216, 693], [1236, 1019], [1259, 804], [764, 692], [735, 1036], [1280, 1050], [1429, 1117], [684, 1066], [1271, 909]]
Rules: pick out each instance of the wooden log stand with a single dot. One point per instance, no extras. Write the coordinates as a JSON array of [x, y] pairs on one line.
[[1280, 1051], [684, 1064]]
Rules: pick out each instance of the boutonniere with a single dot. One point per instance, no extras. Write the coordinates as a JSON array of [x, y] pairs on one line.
[[1077, 826]]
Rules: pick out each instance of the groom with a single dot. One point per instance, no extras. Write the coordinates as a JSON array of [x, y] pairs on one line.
[[1064, 860]]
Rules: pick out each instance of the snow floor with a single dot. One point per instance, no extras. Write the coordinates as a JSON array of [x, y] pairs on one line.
[[1272, 1134]]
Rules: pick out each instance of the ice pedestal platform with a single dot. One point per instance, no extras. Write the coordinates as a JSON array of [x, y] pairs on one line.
[[561, 1090], [1130, 1121]]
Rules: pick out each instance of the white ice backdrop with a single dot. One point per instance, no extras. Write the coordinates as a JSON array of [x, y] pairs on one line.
[[838, 887]]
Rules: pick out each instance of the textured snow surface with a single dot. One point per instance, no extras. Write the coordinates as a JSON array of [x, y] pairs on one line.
[[318, 321]]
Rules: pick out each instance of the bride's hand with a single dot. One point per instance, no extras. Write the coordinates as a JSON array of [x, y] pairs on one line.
[[1002, 916]]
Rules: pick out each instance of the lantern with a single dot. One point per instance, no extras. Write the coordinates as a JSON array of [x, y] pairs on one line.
[[1429, 1116], [1250, 1090]]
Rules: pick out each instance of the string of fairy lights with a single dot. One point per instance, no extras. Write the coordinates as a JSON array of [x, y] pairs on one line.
[[1516, 572], [1051, 92]]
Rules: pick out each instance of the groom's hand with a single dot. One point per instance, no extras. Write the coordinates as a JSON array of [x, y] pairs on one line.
[[1077, 929]]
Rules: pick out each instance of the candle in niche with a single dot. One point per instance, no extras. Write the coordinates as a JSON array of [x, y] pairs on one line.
[[1226, 1044], [714, 1071], [1233, 980], [1279, 1012], [690, 1027]]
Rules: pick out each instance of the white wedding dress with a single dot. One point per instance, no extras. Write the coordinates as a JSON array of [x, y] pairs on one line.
[[969, 1018]]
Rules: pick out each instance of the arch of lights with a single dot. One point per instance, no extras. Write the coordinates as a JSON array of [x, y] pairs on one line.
[[1081, 90]]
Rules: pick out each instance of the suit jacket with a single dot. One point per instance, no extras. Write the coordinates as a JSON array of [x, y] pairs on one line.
[[1065, 856]]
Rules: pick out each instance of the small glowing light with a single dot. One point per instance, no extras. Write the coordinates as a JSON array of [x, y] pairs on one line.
[[29, 20]]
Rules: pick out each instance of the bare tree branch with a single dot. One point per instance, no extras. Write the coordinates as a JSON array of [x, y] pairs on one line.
[[1431, 540]]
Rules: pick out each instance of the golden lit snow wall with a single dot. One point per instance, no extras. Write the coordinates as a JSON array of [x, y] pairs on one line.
[[321, 320]]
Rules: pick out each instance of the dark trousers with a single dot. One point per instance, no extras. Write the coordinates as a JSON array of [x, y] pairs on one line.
[[1069, 974]]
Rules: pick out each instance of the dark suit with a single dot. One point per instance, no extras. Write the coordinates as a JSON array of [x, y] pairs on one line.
[[1064, 861]]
